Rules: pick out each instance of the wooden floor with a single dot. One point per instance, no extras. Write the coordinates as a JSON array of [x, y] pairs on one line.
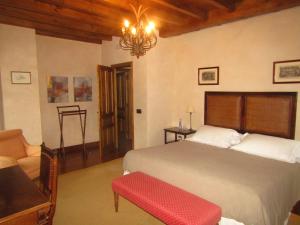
[[75, 161]]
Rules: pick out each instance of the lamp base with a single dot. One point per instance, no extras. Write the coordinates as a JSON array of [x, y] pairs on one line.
[[191, 121]]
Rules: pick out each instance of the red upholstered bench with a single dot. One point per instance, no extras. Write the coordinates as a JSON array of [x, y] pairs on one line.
[[166, 202]]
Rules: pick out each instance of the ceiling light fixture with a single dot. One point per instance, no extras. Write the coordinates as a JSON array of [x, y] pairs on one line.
[[138, 38]]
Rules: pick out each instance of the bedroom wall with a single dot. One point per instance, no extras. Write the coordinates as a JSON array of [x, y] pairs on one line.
[[1, 106], [61, 57], [21, 106], [244, 51]]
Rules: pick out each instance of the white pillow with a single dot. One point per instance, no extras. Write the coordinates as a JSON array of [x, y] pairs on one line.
[[270, 147], [217, 136], [297, 154]]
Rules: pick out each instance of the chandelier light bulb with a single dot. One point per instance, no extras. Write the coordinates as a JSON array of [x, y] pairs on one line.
[[151, 25], [138, 38], [126, 23], [133, 30], [148, 29]]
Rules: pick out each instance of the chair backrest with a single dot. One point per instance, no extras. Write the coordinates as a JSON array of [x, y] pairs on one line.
[[12, 144], [48, 176]]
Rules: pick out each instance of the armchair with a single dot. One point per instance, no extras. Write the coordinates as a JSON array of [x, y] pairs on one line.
[[14, 149]]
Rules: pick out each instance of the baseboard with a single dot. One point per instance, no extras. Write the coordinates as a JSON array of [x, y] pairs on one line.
[[88, 146]]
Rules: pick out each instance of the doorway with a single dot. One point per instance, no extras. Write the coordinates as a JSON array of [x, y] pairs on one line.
[[116, 110]]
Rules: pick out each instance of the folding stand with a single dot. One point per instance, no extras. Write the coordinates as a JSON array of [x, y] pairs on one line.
[[71, 110]]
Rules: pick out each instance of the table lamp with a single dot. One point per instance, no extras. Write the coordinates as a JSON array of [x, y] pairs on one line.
[[190, 110]]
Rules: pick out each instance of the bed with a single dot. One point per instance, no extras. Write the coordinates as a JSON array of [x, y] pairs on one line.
[[251, 190]]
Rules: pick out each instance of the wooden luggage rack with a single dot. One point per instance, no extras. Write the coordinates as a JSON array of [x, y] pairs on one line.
[[72, 110]]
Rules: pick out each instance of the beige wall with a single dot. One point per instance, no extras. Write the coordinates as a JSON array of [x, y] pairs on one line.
[[244, 51], [61, 57], [1, 107], [21, 106]]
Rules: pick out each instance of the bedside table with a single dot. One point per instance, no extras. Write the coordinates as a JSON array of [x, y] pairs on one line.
[[177, 131]]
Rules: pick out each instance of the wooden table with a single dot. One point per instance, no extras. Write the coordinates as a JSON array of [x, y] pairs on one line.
[[21, 201], [177, 131]]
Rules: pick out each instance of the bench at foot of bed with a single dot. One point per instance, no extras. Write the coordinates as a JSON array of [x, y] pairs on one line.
[[166, 202]]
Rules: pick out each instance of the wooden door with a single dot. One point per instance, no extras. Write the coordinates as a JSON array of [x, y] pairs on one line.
[[108, 139], [123, 104]]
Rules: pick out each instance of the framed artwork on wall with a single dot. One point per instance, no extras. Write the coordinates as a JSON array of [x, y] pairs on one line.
[[286, 71], [82, 89], [19, 77], [208, 76], [57, 89]]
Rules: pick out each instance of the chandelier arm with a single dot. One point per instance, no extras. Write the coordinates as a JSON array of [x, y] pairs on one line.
[[137, 38]]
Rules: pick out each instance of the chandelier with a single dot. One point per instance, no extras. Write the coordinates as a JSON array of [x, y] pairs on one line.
[[138, 38]]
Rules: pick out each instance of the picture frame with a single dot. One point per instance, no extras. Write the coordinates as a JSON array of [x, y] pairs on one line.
[[208, 76], [57, 89], [285, 72], [83, 89], [20, 77]]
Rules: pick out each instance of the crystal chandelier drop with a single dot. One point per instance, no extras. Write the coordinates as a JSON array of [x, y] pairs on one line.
[[138, 38]]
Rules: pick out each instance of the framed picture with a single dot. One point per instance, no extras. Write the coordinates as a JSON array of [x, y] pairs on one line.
[[286, 71], [82, 89], [19, 77], [57, 89], [208, 76]]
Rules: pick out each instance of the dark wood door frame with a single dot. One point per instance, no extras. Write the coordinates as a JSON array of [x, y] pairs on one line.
[[131, 109], [107, 131]]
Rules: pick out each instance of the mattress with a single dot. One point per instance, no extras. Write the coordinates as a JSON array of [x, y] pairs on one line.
[[250, 189]]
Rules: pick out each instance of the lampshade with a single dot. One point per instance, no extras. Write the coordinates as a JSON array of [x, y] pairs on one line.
[[190, 109]]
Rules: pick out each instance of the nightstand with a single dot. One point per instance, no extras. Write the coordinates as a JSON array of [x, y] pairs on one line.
[[177, 131]]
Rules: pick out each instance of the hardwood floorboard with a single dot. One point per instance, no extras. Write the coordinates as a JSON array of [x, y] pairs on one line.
[[75, 161]]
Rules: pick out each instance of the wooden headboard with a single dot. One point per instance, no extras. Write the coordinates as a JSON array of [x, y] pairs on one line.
[[270, 113]]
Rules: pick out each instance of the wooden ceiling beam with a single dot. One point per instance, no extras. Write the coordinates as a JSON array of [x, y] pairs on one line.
[[229, 4], [66, 36], [64, 13], [218, 17], [91, 8], [60, 22], [48, 28], [159, 13], [184, 8]]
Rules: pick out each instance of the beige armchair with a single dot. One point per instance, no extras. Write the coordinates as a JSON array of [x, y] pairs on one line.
[[14, 149]]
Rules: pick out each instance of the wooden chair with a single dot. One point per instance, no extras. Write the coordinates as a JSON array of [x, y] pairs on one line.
[[48, 181]]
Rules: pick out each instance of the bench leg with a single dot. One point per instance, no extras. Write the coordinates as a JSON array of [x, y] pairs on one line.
[[116, 197]]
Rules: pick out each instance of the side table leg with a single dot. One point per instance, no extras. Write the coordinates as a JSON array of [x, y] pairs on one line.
[[165, 137]]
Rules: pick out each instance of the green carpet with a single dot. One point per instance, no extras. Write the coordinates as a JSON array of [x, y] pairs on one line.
[[85, 198]]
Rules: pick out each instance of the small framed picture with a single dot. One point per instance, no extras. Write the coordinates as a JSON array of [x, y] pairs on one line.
[[82, 89], [286, 71], [18, 77], [208, 76]]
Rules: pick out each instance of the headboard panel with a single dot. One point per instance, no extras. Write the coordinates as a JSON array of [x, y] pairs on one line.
[[224, 110], [270, 113]]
